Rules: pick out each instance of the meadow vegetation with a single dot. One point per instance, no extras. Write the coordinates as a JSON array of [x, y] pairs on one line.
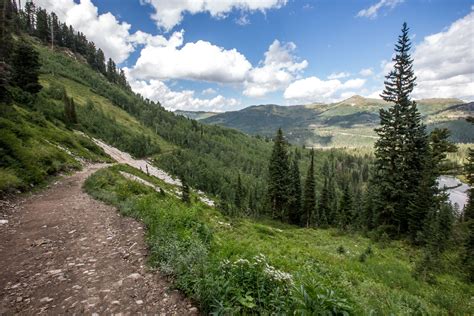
[[241, 265]]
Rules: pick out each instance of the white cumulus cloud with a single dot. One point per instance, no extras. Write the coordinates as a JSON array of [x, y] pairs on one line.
[[157, 90], [373, 11], [276, 71], [339, 75], [366, 72], [199, 60], [208, 91], [313, 89], [444, 62], [168, 13]]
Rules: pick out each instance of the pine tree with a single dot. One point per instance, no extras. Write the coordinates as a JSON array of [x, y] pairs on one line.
[[332, 207], [278, 184], [402, 145], [122, 80], [438, 229], [4, 80], [345, 214], [185, 191], [30, 15], [91, 56], [42, 26], [25, 68], [72, 110], [309, 196], [7, 20], [469, 171], [429, 197], [55, 30], [100, 60], [71, 38], [7, 16], [111, 71], [468, 215], [295, 193], [324, 205], [70, 116]]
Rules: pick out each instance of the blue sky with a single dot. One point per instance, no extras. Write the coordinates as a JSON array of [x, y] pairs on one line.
[[244, 52]]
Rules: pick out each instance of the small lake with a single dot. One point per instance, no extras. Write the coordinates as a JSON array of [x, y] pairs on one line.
[[458, 193]]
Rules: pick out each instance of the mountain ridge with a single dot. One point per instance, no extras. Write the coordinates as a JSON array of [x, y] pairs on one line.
[[346, 123]]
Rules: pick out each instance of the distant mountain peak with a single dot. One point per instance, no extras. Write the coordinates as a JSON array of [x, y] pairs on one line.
[[357, 100]]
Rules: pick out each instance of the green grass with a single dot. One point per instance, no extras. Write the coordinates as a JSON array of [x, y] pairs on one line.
[[33, 148], [218, 261]]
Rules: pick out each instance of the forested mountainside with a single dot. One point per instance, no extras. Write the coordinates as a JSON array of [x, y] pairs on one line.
[[294, 231], [348, 123], [211, 158]]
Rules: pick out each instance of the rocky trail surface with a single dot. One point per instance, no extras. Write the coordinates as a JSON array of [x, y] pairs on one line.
[[62, 252]]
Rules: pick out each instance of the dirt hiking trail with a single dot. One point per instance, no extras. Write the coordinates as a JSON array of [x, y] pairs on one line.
[[62, 252]]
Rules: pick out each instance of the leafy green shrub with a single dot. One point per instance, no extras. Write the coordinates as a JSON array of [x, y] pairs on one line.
[[367, 252], [8, 180], [425, 267], [313, 297], [341, 250], [56, 91], [255, 286]]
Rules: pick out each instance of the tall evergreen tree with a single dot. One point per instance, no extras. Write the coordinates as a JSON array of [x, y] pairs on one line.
[[30, 16], [6, 29], [91, 56], [185, 191], [55, 30], [345, 214], [295, 195], [4, 80], [402, 144], [331, 213], [25, 67], [309, 196], [324, 205], [278, 184], [122, 80], [429, 197], [42, 26], [111, 70], [7, 18], [70, 116], [468, 215], [100, 60]]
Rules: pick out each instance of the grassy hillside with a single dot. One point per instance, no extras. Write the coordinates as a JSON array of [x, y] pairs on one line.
[[33, 148], [348, 123], [243, 266], [195, 115]]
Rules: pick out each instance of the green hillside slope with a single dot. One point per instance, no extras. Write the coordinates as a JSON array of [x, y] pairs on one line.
[[195, 115], [348, 123], [33, 148]]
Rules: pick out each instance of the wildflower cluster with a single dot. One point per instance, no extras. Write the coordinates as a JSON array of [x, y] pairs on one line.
[[258, 264], [262, 284]]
